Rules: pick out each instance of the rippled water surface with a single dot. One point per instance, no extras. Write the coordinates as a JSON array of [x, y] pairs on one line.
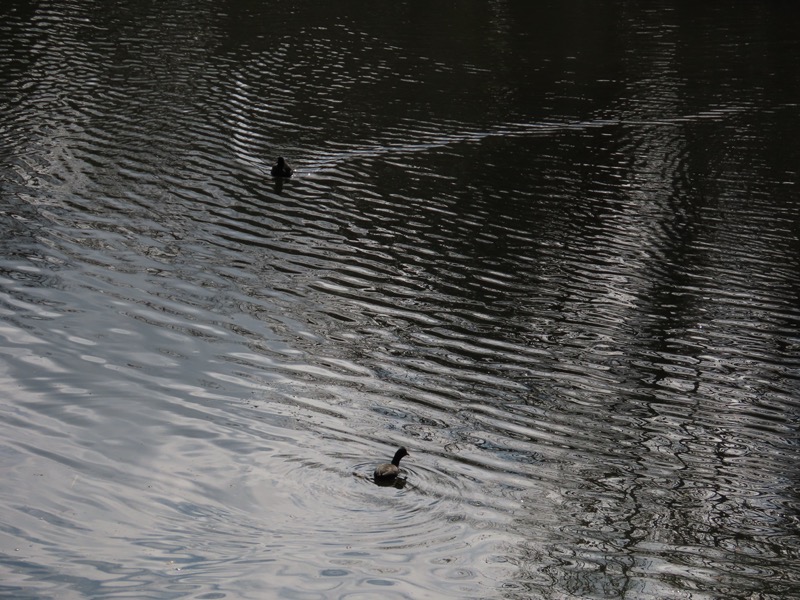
[[551, 247]]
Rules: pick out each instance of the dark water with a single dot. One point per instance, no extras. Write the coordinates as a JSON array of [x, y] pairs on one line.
[[552, 247]]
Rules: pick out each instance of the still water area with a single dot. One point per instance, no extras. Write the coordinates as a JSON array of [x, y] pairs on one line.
[[553, 248]]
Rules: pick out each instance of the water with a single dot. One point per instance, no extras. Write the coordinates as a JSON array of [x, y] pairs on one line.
[[552, 248]]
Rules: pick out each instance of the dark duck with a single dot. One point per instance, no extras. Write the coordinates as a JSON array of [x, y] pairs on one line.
[[387, 473], [281, 169]]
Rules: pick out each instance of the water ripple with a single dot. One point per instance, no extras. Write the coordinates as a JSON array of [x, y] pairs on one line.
[[570, 288]]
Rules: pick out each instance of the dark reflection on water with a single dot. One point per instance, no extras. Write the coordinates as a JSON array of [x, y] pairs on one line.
[[552, 248]]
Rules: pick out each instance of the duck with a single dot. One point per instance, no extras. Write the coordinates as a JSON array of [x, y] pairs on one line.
[[281, 169], [387, 472]]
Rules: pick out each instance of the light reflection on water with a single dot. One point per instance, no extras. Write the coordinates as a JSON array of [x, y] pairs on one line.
[[563, 271]]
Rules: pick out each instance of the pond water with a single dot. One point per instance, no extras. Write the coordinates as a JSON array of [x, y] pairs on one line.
[[553, 248]]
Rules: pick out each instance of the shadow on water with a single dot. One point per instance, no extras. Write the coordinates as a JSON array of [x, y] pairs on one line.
[[553, 249]]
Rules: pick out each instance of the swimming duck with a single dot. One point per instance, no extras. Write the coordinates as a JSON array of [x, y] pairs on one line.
[[281, 169], [388, 472]]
